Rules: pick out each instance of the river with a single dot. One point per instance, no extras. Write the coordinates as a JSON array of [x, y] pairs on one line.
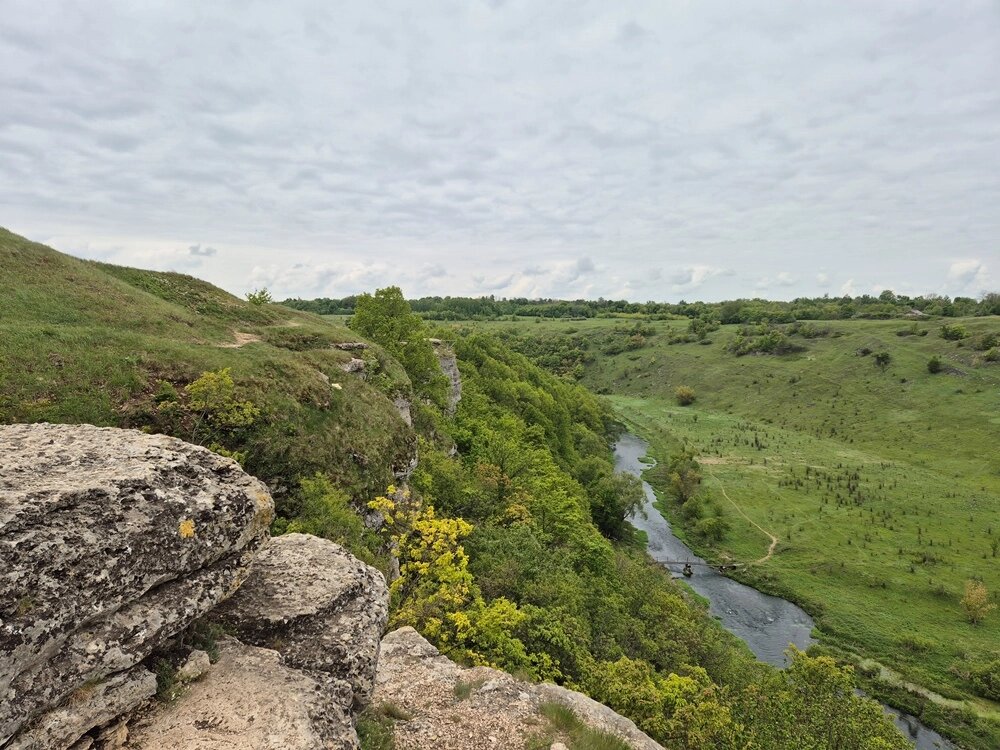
[[766, 623]]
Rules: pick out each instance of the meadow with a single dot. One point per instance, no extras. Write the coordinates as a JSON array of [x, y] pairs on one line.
[[881, 484]]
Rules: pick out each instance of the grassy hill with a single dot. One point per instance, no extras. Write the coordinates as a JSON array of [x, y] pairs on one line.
[[90, 342], [881, 485]]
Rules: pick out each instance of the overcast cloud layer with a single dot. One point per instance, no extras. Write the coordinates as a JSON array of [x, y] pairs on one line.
[[647, 150]]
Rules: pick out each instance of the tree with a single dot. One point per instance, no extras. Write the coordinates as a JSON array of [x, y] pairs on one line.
[[882, 360], [386, 318], [976, 602], [259, 296], [934, 365], [684, 476]]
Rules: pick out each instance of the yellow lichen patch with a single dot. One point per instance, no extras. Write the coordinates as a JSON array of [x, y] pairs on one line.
[[186, 528]]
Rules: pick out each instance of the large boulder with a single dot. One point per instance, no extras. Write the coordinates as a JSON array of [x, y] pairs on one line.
[[111, 542], [320, 607], [248, 699]]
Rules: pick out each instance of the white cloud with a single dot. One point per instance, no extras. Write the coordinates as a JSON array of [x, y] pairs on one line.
[[692, 277], [847, 288], [579, 141], [968, 276]]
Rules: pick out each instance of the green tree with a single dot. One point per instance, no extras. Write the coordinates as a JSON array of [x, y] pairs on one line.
[[976, 602], [883, 360], [386, 318], [259, 297], [934, 365]]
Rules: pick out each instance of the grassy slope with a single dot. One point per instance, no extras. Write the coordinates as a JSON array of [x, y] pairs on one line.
[[87, 342], [924, 447]]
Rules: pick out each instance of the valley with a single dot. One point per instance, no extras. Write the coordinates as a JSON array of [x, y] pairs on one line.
[[868, 496]]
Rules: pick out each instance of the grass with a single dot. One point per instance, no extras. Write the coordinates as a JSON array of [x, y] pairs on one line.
[[464, 690], [375, 730], [566, 726], [882, 487], [84, 342]]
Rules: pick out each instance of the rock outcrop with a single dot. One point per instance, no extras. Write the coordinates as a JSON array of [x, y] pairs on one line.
[[449, 366], [455, 708], [309, 620], [111, 542], [248, 699], [321, 608]]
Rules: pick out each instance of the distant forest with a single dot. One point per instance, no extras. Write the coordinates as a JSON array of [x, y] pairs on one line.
[[885, 305]]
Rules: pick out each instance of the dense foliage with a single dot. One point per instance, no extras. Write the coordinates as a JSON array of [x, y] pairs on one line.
[[514, 551], [885, 305]]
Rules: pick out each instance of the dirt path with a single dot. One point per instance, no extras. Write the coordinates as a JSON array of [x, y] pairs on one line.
[[765, 532], [240, 339]]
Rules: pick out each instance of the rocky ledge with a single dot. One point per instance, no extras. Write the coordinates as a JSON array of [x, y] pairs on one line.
[[114, 546], [449, 707]]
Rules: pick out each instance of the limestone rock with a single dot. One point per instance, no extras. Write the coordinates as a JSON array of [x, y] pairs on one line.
[[249, 699], [403, 405], [111, 542], [597, 715], [452, 707], [354, 365], [321, 608], [449, 366], [89, 707], [194, 667]]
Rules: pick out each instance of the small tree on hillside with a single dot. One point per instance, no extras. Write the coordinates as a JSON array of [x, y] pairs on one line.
[[387, 319], [976, 602], [883, 360], [934, 365], [259, 297], [685, 396]]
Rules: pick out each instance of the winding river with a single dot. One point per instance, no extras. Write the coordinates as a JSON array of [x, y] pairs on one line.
[[766, 623]]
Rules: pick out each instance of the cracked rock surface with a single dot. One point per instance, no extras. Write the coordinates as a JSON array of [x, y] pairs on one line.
[[111, 542], [320, 607]]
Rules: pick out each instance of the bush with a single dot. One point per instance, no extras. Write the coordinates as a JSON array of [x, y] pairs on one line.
[[953, 332], [685, 396], [934, 365], [259, 297], [985, 679]]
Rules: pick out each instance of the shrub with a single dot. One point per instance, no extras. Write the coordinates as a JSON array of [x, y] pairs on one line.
[[985, 679], [685, 396], [213, 397], [259, 297], [882, 360], [953, 332], [993, 355], [934, 365]]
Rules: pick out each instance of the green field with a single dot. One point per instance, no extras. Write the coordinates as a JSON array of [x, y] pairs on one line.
[[882, 487]]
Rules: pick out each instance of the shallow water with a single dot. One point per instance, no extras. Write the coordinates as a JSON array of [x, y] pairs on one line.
[[766, 623]]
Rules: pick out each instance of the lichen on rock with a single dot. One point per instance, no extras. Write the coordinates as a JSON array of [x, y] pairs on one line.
[[111, 542]]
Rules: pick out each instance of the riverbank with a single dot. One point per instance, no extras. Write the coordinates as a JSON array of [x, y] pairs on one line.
[[766, 623]]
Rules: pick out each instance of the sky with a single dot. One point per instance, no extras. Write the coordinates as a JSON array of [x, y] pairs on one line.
[[643, 150]]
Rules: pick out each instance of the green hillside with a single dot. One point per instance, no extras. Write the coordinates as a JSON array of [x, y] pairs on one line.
[[882, 485], [509, 534], [89, 342]]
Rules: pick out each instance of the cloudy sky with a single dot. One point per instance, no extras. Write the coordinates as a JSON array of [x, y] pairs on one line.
[[646, 150]]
